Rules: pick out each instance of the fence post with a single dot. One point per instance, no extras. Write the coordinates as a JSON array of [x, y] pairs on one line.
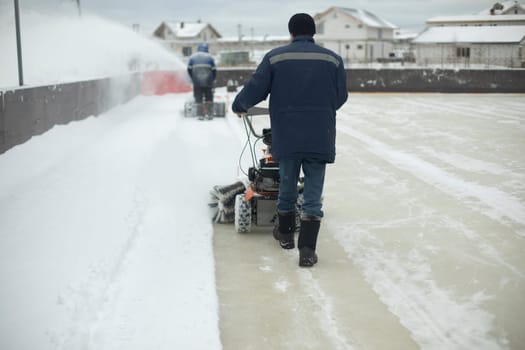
[[19, 45]]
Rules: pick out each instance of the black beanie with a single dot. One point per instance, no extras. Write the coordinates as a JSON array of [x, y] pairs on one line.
[[301, 24]]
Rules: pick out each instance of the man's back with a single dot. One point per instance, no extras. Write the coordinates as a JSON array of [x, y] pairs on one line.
[[307, 84], [201, 68], [305, 75]]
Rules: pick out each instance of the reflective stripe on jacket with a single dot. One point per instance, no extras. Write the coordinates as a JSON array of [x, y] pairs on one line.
[[202, 70], [306, 84]]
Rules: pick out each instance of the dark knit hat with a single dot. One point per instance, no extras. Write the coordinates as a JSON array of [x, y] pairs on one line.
[[301, 24]]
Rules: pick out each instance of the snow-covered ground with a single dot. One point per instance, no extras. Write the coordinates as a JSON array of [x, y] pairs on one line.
[[106, 241], [105, 234], [427, 202], [435, 212]]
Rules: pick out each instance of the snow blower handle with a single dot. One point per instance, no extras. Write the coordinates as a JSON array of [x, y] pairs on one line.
[[254, 111], [258, 111], [248, 121]]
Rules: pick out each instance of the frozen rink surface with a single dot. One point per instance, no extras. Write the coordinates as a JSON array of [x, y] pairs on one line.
[[106, 240], [423, 241], [433, 212]]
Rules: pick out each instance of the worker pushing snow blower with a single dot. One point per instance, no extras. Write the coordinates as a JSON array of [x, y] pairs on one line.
[[253, 201], [307, 85], [202, 70]]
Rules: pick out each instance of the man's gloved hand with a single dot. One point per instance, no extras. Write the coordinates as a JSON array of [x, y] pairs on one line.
[[237, 109]]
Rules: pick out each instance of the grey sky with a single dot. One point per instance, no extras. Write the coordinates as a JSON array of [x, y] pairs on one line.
[[264, 16]]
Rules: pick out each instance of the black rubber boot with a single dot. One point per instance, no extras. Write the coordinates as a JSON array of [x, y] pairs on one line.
[[308, 240], [307, 257], [284, 232]]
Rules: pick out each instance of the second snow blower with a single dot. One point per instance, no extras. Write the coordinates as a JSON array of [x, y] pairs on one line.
[[205, 110]]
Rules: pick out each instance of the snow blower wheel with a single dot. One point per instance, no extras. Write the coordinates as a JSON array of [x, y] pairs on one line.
[[243, 214]]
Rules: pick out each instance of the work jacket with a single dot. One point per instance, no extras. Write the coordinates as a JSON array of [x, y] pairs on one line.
[[306, 84], [201, 68]]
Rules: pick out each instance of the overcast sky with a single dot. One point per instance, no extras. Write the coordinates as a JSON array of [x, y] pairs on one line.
[[264, 16]]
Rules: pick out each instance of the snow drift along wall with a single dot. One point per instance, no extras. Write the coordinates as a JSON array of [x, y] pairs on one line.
[[26, 112]]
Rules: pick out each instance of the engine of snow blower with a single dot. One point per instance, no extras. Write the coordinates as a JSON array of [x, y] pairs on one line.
[[258, 204], [265, 176], [260, 197], [253, 201]]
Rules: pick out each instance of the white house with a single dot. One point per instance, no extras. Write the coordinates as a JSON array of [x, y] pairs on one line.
[[356, 35], [184, 37], [492, 37]]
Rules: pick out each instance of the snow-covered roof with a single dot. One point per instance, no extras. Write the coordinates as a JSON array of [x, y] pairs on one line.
[[506, 6], [367, 18], [257, 38], [476, 18], [404, 35], [186, 29], [486, 34], [363, 16]]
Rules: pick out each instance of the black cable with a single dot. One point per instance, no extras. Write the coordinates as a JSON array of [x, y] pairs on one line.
[[248, 133], [252, 147], [240, 157]]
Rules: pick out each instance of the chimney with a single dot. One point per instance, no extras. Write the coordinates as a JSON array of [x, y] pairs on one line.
[[496, 6]]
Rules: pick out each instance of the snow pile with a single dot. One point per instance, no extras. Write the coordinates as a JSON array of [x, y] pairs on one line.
[[63, 48], [105, 235]]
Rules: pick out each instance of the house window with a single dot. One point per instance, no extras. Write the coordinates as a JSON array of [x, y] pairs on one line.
[[347, 26], [186, 51], [380, 34], [320, 28], [359, 25], [463, 52], [359, 47]]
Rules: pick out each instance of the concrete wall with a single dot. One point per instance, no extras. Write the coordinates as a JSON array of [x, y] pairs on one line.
[[415, 80], [436, 80], [26, 112]]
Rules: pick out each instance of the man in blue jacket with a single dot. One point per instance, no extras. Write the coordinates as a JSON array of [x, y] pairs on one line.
[[202, 70], [306, 84]]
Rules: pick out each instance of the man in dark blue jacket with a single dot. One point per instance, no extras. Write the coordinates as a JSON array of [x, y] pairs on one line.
[[306, 84], [202, 70]]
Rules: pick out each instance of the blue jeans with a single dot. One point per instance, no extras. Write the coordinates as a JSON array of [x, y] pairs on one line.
[[289, 171]]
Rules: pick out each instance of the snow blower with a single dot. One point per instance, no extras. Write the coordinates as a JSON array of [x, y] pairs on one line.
[[253, 202], [205, 110]]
